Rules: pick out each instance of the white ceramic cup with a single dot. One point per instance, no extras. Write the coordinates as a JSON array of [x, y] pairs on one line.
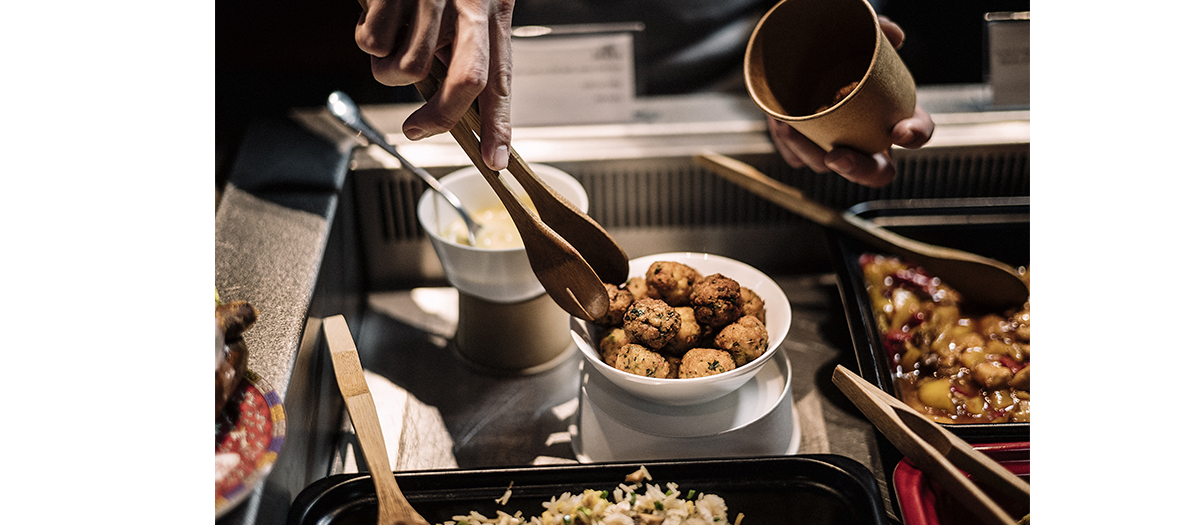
[[495, 275]]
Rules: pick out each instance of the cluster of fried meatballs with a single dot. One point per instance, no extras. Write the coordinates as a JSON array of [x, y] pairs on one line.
[[676, 323]]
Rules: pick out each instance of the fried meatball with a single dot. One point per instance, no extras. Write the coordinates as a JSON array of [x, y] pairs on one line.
[[620, 299], [716, 300], [640, 361], [651, 322], [701, 362], [671, 281], [688, 336], [745, 339], [752, 304], [637, 286], [613, 340]]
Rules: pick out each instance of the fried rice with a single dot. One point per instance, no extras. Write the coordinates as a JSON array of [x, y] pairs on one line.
[[628, 504]]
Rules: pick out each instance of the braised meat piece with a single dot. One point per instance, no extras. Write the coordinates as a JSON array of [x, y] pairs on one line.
[[231, 320]]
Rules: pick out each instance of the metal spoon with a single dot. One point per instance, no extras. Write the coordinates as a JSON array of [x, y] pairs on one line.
[[344, 109], [982, 281]]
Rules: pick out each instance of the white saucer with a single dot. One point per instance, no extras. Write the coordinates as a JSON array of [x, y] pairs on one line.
[[757, 419]]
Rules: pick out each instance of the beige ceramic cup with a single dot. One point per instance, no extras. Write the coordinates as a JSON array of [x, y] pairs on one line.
[[507, 323], [803, 52]]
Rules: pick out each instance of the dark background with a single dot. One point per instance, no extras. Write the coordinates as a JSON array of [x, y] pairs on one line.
[[276, 55]]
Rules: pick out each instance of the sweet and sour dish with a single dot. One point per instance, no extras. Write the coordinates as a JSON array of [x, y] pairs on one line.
[[676, 323], [956, 366]]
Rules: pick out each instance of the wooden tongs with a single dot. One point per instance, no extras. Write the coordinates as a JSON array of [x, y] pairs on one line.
[[939, 453], [571, 254]]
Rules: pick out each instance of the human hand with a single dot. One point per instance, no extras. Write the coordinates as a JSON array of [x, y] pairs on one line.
[[874, 170], [472, 36]]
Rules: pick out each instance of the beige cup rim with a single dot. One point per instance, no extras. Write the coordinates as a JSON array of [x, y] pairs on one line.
[[789, 118]]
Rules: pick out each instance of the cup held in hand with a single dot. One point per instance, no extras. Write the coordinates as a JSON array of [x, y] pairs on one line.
[[825, 68]]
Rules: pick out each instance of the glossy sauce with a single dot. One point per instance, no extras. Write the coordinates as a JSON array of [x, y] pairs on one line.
[[954, 365], [498, 231]]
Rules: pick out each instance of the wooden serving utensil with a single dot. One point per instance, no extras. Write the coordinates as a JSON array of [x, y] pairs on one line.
[[393, 508], [589, 238], [938, 452], [573, 276], [982, 281]]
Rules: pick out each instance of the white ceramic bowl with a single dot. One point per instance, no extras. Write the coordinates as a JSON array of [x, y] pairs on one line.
[[757, 419], [496, 275], [680, 392]]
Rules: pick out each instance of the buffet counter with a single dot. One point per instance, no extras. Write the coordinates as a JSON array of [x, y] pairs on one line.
[[309, 228]]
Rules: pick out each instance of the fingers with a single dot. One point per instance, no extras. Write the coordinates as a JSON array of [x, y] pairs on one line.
[[401, 37], [796, 149], [374, 30], [915, 131], [876, 170], [495, 100], [480, 67], [467, 75], [870, 170], [892, 32]]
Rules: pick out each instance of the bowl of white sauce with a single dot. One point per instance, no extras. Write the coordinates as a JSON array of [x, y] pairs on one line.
[[494, 267]]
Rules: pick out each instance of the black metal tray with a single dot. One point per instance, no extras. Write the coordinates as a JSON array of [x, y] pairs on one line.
[[994, 227], [805, 489]]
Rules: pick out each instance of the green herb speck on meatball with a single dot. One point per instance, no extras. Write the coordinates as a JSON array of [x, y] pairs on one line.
[[651, 322], [701, 362], [641, 361], [716, 300], [671, 281], [611, 343], [745, 339]]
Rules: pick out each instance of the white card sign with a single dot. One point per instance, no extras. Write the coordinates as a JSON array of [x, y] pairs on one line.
[[573, 79]]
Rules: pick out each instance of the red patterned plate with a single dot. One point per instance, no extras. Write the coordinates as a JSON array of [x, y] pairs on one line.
[[250, 433]]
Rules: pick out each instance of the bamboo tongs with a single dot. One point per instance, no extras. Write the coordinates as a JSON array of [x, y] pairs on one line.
[[571, 254], [939, 453]]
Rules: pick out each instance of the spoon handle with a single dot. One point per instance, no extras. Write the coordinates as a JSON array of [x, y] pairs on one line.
[[393, 508], [986, 281], [348, 113]]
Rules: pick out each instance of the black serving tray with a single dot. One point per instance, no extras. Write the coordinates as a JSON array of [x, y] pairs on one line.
[[805, 489], [993, 227]]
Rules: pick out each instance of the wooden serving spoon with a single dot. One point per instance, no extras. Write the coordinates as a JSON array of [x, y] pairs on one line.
[[982, 281], [392, 506]]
